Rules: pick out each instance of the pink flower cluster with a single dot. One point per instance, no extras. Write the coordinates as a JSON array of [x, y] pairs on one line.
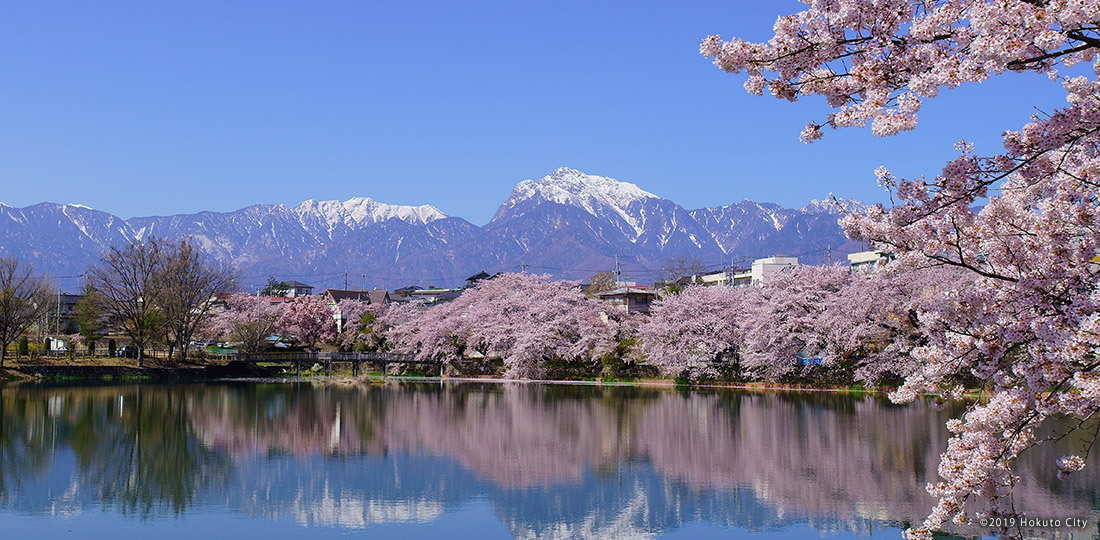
[[1025, 224], [524, 319], [865, 325], [251, 321], [877, 61]]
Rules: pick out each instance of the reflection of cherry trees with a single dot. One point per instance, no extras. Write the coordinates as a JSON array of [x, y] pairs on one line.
[[281, 418], [617, 459], [808, 455]]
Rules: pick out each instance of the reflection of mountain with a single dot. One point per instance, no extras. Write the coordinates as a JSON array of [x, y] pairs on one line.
[[552, 461]]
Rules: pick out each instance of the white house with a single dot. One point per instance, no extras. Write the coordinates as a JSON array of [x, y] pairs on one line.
[[297, 288], [865, 261], [761, 271], [764, 269]]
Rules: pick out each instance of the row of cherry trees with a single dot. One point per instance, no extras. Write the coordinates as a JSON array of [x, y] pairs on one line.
[[856, 326], [250, 321], [526, 320], [807, 321]]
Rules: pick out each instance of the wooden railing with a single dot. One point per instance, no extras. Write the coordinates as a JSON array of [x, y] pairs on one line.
[[327, 359]]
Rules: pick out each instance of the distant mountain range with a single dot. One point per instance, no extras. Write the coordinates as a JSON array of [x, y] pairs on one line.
[[567, 224]]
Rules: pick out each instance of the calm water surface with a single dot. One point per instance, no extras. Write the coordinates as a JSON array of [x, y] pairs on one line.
[[462, 460]]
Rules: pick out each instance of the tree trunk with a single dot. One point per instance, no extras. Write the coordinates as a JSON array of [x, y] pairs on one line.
[[3, 351], [141, 356]]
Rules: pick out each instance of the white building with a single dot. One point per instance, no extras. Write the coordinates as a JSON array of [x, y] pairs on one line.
[[710, 279], [761, 271], [295, 289], [764, 269], [865, 261]]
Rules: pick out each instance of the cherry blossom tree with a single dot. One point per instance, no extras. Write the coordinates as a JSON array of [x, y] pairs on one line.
[[308, 318], [245, 320], [364, 325], [438, 333], [529, 319], [873, 323], [626, 358], [526, 320], [692, 333], [1030, 326], [783, 320]]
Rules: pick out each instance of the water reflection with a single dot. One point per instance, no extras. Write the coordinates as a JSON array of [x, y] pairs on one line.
[[551, 461]]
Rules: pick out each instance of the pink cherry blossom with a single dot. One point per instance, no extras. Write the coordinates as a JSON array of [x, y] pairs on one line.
[[1025, 324], [525, 320], [309, 319], [244, 320]]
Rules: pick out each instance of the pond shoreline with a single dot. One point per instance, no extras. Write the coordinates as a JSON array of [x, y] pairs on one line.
[[51, 371], [37, 372]]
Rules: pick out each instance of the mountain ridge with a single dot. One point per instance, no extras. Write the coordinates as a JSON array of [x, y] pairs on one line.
[[568, 222]]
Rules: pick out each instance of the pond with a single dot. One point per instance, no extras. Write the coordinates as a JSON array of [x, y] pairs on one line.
[[471, 460]]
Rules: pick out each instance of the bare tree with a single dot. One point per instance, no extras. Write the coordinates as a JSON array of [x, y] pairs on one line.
[[24, 299], [600, 282], [126, 281], [681, 266], [185, 282]]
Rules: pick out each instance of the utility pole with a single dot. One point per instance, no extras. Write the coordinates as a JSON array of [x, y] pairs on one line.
[[364, 276], [523, 267], [618, 272], [345, 280]]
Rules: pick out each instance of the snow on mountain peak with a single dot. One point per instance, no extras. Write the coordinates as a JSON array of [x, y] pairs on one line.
[[831, 205], [363, 210], [574, 182], [597, 195]]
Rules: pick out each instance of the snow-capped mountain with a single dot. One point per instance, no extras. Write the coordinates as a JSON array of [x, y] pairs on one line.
[[621, 203], [59, 239], [833, 206], [568, 224], [359, 212]]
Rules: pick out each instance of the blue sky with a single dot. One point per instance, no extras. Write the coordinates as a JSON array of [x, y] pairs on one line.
[[153, 108]]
